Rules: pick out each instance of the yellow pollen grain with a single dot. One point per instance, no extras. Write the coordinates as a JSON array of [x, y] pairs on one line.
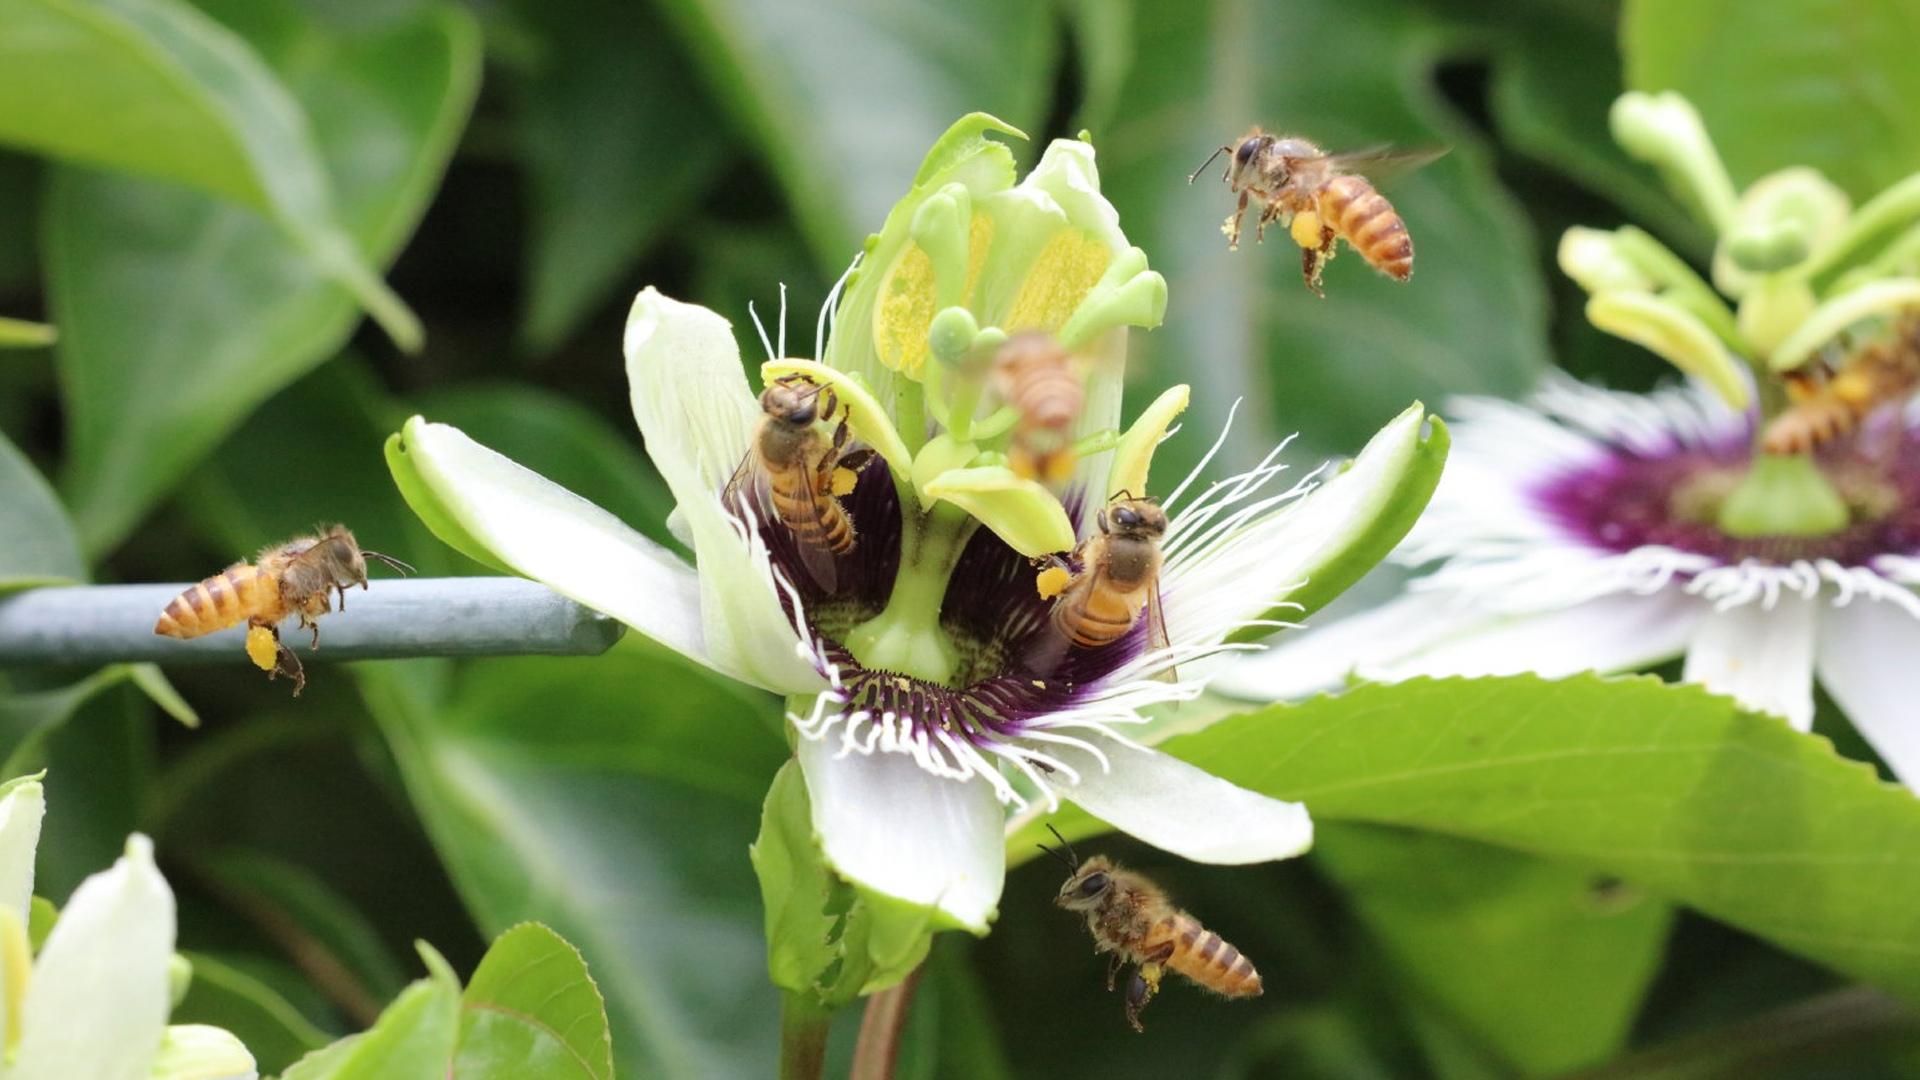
[[905, 310], [1306, 229], [262, 649], [1051, 581], [844, 481], [1062, 276]]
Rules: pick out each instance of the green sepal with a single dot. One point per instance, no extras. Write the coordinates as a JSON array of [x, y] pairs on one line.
[[426, 504], [1022, 512], [1414, 460], [826, 938]]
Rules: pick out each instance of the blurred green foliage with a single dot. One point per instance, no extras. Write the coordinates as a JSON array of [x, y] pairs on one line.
[[197, 196]]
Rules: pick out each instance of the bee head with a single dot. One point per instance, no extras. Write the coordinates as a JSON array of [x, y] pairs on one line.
[[1247, 154], [1088, 886], [1135, 518], [791, 402]]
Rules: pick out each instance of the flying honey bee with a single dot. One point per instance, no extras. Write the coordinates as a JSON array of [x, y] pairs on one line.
[[293, 578], [798, 473], [1135, 922], [1036, 376], [1828, 405], [1117, 577], [1323, 197]]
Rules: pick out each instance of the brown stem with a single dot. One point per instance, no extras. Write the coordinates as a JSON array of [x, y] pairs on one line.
[[804, 1024], [878, 1047]]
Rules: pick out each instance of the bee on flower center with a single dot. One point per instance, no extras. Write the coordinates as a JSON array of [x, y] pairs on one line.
[[1036, 376], [1322, 198], [1829, 405], [292, 578], [1115, 576], [1132, 920]]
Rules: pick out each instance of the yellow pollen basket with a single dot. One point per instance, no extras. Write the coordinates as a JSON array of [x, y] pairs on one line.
[[262, 648], [1065, 271], [1052, 581], [904, 313], [844, 481], [1306, 229]]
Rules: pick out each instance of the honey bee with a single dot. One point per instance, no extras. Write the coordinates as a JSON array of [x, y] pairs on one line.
[[1132, 919], [1323, 197], [1116, 577], [284, 579], [1035, 376], [799, 474], [1829, 405]]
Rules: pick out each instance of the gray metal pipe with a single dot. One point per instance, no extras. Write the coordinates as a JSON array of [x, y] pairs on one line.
[[392, 619]]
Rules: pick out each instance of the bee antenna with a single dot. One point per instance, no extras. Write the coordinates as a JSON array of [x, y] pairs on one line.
[[1195, 175], [388, 559], [1068, 855]]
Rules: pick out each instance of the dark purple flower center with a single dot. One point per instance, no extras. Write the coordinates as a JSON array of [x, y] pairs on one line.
[[1671, 497], [1014, 665]]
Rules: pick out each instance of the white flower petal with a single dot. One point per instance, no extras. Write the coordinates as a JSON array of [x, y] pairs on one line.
[[691, 400], [1322, 655], [1760, 656], [1865, 652], [1622, 632], [201, 1052], [1192, 813], [98, 1002], [889, 826], [542, 531], [20, 813], [1212, 587]]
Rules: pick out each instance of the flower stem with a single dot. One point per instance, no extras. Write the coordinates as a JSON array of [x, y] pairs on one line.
[[804, 1023], [878, 1048]]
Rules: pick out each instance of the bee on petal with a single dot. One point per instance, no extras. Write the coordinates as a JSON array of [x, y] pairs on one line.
[[799, 474]]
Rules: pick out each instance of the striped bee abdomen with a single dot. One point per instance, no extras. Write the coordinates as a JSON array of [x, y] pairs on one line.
[[220, 601], [814, 517], [1201, 955], [1368, 222], [1094, 617]]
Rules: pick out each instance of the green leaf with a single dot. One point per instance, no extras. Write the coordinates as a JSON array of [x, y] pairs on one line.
[[531, 1011], [37, 542], [157, 88], [181, 313], [1670, 788], [615, 150], [619, 818], [801, 81], [1797, 82], [414, 1038], [27, 719], [1335, 368], [21, 334], [1545, 963], [227, 997]]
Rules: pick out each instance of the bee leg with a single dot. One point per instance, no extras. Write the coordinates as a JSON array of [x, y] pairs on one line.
[[1140, 990], [286, 663], [1114, 965], [832, 404], [1267, 217], [1233, 224], [1310, 266]]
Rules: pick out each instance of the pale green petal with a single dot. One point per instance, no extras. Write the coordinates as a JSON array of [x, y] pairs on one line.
[[490, 506], [21, 809], [1676, 335], [98, 1004], [201, 1052], [892, 828], [697, 415]]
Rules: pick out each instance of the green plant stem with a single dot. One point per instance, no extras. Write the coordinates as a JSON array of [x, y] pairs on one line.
[[878, 1048], [906, 636], [804, 1023], [1855, 1016]]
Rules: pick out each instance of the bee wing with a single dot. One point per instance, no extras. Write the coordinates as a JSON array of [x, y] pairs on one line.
[[1157, 629], [1381, 163], [820, 562], [748, 481]]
